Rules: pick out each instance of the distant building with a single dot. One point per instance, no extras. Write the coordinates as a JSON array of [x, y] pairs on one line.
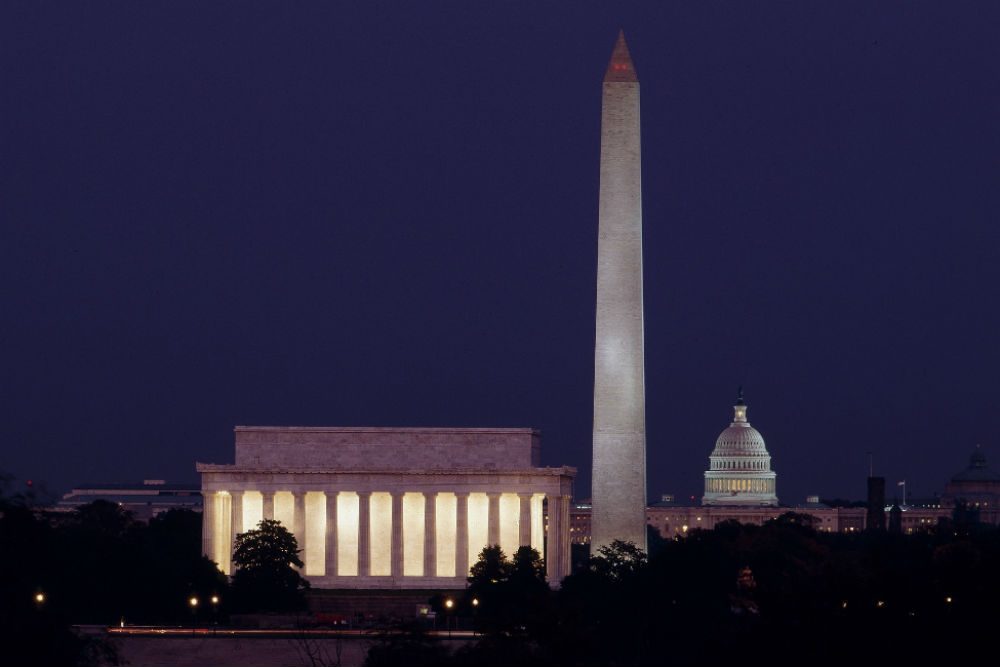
[[740, 486], [676, 520], [144, 500], [876, 503], [739, 471], [579, 522], [977, 487]]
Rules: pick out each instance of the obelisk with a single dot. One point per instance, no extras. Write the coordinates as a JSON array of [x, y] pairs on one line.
[[619, 475]]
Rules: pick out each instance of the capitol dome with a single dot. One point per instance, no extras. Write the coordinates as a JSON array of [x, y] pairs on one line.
[[740, 468], [740, 440]]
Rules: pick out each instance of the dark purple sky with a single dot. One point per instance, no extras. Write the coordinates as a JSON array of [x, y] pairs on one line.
[[386, 214]]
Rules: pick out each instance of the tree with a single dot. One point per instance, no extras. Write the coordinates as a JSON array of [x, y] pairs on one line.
[[171, 547], [265, 579], [528, 567], [35, 610], [618, 560], [510, 596]]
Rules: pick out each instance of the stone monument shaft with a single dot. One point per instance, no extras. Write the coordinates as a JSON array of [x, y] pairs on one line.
[[619, 473]]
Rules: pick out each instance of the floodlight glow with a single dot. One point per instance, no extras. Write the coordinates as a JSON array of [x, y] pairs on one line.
[[413, 535], [446, 517], [510, 520], [479, 511], [314, 556], [380, 535], [348, 504], [253, 510]]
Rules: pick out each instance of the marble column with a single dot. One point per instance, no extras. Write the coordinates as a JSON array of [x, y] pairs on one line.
[[364, 534], [299, 524], [236, 523], [430, 534], [331, 533], [524, 520], [208, 536], [566, 565], [493, 520], [397, 535], [462, 535], [268, 504], [556, 545]]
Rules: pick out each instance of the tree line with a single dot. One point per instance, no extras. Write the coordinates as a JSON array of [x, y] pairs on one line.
[[781, 593]]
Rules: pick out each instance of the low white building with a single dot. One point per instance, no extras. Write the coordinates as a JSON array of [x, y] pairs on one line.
[[390, 507]]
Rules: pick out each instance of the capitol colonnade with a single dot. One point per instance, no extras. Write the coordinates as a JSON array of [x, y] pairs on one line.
[[361, 525]]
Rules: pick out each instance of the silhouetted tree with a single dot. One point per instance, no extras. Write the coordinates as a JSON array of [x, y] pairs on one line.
[[35, 609], [619, 560], [508, 597], [265, 578]]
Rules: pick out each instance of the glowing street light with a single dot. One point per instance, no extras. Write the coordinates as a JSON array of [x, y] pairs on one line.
[[193, 601], [449, 604], [215, 612], [40, 597], [475, 602]]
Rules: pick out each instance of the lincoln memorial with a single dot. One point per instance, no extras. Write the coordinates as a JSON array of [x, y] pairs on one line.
[[390, 507]]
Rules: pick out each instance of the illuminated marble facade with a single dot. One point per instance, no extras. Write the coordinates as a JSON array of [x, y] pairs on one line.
[[390, 507]]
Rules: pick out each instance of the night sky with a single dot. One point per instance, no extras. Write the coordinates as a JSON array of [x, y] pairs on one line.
[[385, 214]]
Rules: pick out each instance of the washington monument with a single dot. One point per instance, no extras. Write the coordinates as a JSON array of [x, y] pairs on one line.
[[619, 475]]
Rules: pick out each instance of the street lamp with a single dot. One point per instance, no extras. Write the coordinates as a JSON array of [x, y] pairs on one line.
[[193, 601], [449, 604], [39, 598], [215, 613]]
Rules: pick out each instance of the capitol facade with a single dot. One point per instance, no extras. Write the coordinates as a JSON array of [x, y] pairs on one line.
[[739, 471]]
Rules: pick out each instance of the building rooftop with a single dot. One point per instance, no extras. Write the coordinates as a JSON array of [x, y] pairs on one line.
[[977, 470]]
